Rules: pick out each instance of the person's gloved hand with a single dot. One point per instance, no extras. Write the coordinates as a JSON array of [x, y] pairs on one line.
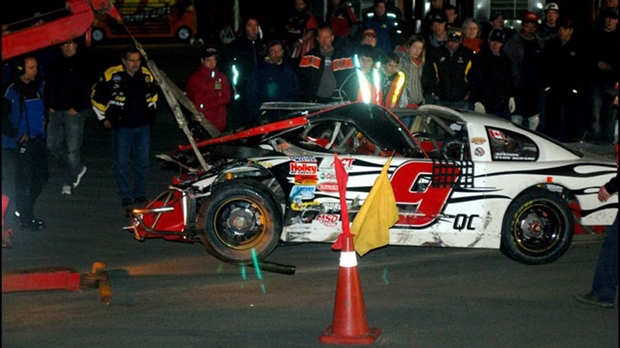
[[511, 105], [478, 107]]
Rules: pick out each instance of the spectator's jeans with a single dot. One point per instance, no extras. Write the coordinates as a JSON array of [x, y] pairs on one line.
[[64, 140], [31, 175], [605, 279], [128, 142], [603, 117]]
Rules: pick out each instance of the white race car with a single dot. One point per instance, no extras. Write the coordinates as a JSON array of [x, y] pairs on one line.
[[460, 179]]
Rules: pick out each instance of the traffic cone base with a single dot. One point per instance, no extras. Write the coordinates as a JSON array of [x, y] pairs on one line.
[[328, 337]]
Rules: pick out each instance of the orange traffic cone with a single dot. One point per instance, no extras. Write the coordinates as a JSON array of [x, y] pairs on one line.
[[349, 324]]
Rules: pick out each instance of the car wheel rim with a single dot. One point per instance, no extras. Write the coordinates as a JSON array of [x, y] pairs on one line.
[[538, 228], [239, 224]]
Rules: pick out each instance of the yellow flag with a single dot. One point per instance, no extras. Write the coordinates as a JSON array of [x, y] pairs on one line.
[[378, 213]]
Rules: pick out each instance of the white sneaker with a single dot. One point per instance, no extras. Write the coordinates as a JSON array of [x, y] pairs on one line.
[[66, 190], [79, 177]]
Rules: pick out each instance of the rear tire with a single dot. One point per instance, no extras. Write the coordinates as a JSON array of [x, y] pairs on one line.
[[538, 228], [238, 218]]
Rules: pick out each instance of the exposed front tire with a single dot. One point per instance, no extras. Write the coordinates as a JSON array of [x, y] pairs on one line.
[[537, 228], [238, 218]]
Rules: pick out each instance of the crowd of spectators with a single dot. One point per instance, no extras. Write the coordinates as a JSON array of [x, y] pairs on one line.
[[550, 76]]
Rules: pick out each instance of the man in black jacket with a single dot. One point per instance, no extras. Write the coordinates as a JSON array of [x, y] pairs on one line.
[[67, 99], [490, 79], [564, 81], [125, 99], [444, 78], [248, 51]]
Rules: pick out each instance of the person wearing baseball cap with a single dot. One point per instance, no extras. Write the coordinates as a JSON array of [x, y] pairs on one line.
[[444, 76], [497, 21], [439, 32], [490, 79], [548, 29], [209, 90], [437, 8], [564, 82], [525, 51], [369, 39]]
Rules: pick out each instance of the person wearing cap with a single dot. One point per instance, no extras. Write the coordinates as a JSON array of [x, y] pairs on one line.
[[382, 23], [437, 7], [273, 80], [525, 51], [564, 82], [209, 89], [444, 78], [604, 75], [548, 29], [490, 79], [369, 38], [125, 100], [438, 36], [247, 51], [605, 6], [67, 97], [496, 21]]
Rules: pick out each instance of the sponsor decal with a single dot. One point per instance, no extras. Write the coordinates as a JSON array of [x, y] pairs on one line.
[[479, 151], [303, 158], [298, 205], [329, 220], [302, 192], [478, 140], [331, 207], [331, 176], [306, 180], [302, 168], [328, 186], [346, 162], [508, 156]]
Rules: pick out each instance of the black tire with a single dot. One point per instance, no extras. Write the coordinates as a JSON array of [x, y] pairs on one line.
[[538, 228], [258, 219]]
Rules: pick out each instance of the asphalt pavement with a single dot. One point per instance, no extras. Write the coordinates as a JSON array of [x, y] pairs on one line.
[[167, 294]]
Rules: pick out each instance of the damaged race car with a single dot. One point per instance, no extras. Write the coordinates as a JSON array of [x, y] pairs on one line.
[[460, 179]]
